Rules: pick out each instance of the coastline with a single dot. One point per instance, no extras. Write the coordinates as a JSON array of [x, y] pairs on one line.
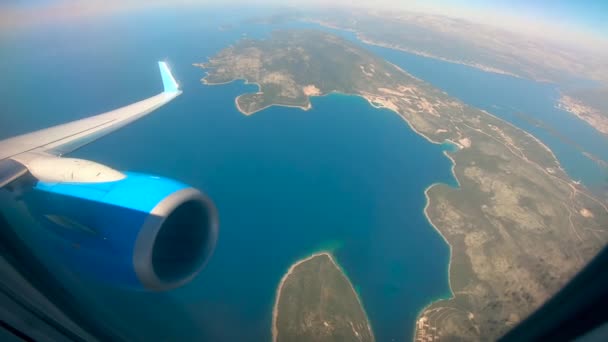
[[274, 329], [588, 114], [247, 82], [542, 144], [427, 204], [562, 175], [361, 37], [238, 107], [478, 66], [309, 106], [275, 308], [370, 101]]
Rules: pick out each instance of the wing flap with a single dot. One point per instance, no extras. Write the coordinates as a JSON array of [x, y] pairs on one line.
[[10, 170]]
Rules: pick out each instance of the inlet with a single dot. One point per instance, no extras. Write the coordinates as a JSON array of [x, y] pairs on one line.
[[185, 241]]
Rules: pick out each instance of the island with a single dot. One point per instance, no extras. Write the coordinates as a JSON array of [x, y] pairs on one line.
[[316, 302], [517, 226], [589, 105]]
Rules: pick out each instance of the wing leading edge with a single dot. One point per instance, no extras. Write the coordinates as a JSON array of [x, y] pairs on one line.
[[65, 138]]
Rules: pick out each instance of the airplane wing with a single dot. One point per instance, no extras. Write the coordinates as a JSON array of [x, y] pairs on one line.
[[65, 138], [128, 229]]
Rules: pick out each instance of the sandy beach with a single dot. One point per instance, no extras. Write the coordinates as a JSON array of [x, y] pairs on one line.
[[236, 103]]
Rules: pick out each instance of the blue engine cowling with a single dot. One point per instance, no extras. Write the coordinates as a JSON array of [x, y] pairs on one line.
[[141, 232]]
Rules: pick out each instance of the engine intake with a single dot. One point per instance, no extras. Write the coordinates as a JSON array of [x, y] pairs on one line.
[[169, 252]]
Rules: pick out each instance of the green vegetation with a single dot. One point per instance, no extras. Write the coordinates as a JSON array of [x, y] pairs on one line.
[[294, 65], [518, 226], [316, 302]]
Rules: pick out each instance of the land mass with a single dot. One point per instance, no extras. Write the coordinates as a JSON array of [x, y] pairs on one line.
[[518, 227], [589, 105], [488, 48], [480, 45], [316, 302]]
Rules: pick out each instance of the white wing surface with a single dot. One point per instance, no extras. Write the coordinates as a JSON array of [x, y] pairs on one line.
[[65, 138]]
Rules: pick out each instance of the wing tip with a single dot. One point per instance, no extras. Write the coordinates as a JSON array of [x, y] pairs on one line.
[[169, 83]]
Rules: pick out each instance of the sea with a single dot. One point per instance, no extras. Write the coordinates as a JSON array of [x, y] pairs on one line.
[[342, 177]]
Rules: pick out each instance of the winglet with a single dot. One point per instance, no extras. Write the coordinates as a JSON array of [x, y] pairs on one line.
[[168, 81]]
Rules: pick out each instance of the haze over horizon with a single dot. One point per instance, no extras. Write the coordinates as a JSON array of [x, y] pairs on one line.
[[581, 22]]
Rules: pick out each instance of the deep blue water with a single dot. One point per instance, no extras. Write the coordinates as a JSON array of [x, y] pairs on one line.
[[343, 176]]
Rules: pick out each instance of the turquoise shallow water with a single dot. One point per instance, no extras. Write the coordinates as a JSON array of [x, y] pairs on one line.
[[286, 182]]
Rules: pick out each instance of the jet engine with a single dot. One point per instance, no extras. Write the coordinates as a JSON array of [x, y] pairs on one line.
[[127, 229]]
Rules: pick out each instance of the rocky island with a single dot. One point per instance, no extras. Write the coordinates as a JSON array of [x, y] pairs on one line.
[[316, 302], [593, 116], [518, 227]]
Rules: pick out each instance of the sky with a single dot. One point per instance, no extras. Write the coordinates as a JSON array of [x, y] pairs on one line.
[[559, 18], [582, 21], [586, 15]]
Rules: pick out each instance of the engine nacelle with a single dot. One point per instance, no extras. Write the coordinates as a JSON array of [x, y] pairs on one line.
[[140, 231]]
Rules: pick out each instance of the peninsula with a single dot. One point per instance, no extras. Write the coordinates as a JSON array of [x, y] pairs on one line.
[[518, 227], [593, 109], [316, 302]]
